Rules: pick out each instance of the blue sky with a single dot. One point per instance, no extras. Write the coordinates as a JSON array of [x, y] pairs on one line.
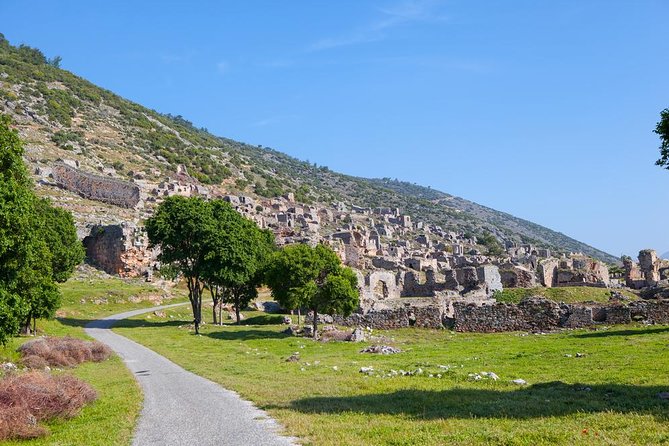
[[541, 109]]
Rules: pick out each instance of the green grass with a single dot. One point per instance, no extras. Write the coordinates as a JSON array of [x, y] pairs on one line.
[[606, 396], [111, 419], [560, 294]]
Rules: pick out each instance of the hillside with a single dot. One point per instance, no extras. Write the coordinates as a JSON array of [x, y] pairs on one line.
[[64, 117]]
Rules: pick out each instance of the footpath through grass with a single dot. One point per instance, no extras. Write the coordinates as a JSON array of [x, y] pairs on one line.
[[111, 419], [583, 387]]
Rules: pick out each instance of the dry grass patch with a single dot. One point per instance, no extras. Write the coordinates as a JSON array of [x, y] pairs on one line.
[[29, 398], [61, 352]]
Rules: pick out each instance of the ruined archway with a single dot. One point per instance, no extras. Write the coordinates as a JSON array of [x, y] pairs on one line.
[[381, 290]]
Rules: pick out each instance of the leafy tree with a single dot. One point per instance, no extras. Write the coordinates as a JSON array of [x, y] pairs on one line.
[[181, 227], [237, 252], [36, 242], [60, 234], [662, 129], [61, 253], [302, 276], [55, 61]]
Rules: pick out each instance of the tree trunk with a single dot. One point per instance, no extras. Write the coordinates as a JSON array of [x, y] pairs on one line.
[[315, 322], [298, 315], [214, 298], [220, 312], [25, 327], [196, 302], [237, 299]]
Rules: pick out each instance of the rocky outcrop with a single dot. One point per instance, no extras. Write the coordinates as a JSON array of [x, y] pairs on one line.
[[120, 249], [95, 187]]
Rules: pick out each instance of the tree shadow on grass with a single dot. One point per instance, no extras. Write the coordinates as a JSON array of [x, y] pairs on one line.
[[263, 319], [246, 335], [607, 333], [540, 400], [118, 323]]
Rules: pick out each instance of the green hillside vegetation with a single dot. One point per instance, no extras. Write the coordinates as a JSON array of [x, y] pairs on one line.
[[149, 140]]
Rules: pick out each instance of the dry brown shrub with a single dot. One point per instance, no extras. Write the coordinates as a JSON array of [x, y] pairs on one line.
[[62, 352], [32, 397], [34, 362]]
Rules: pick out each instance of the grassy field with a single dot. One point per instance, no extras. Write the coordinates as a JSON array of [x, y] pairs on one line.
[[584, 387], [111, 419], [561, 294]]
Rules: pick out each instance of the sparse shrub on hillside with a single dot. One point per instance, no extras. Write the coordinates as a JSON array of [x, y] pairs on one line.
[[272, 187], [63, 137], [62, 352], [29, 398], [491, 243]]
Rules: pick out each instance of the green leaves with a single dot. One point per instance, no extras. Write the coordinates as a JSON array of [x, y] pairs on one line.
[[38, 243], [662, 129], [209, 241], [302, 276]]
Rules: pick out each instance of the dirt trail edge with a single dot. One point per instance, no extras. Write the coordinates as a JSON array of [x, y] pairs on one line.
[[181, 408]]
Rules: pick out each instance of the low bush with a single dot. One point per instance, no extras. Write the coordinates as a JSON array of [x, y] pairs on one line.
[[61, 352], [29, 398]]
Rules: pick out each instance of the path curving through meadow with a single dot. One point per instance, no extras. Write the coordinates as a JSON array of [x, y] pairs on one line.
[[181, 408]]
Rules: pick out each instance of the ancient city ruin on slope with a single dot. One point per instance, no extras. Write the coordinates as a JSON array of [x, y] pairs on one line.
[[410, 273]]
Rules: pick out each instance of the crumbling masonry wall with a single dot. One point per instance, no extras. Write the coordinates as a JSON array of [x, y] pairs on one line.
[[94, 187], [539, 314]]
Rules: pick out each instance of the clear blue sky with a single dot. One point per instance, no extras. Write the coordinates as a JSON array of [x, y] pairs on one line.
[[543, 109]]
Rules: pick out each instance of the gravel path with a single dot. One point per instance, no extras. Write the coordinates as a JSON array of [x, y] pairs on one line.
[[181, 408]]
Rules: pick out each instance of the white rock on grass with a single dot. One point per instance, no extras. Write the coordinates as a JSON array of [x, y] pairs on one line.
[[519, 381]]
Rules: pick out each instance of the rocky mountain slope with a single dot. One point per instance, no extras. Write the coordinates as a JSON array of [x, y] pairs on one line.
[[63, 117]]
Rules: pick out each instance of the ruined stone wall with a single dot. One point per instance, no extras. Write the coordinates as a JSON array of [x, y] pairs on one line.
[[539, 314], [104, 247], [548, 272], [401, 317], [120, 249], [94, 187], [531, 314]]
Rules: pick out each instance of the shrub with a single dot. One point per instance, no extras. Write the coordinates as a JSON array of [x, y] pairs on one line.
[[61, 352], [32, 397]]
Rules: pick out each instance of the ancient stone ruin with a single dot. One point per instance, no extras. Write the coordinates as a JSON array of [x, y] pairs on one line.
[[539, 314], [95, 187], [120, 249], [651, 271]]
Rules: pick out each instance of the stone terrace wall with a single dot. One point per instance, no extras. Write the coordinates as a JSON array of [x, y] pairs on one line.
[[539, 314], [414, 316], [94, 187], [531, 314]]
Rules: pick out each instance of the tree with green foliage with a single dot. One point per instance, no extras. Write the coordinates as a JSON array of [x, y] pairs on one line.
[[19, 249], [662, 129], [38, 244], [302, 276], [60, 234], [56, 229], [182, 228], [237, 253], [491, 243]]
